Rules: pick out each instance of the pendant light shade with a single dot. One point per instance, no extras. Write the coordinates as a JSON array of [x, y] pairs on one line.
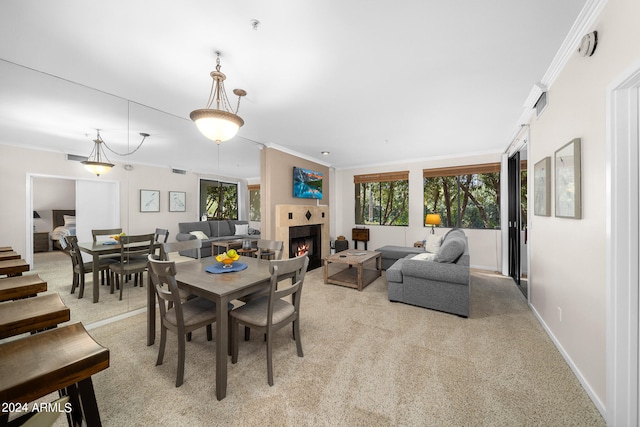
[[217, 125], [95, 163], [220, 123], [98, 163]]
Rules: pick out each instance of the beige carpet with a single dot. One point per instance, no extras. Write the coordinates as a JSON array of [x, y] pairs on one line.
[[367, 362]]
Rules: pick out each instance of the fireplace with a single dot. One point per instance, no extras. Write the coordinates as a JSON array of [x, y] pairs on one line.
[[306, 239]]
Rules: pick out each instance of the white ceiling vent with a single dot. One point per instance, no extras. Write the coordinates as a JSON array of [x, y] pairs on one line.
[[75, 158], [179, 171]]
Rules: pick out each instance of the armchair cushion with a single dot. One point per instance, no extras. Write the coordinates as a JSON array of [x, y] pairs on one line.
[[433, 243], [452, 248]]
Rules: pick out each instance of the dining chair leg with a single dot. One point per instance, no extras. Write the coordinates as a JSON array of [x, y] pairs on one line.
[[296, 334], [209, 333], [163, 344], [74, 284], [269, 361], [181, 351], [234, 340], [81, 290], [247, 333]]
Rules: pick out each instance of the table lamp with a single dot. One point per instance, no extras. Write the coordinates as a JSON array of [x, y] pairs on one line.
[[36, 215], [432, 220]]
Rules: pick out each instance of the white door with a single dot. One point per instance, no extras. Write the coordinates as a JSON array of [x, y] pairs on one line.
[[97, 206]]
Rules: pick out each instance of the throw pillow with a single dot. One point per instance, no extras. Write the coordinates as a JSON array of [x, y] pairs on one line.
[[451, 250], [69, 221], [199, 235], [433, 243], [424, 257], [242, 229]]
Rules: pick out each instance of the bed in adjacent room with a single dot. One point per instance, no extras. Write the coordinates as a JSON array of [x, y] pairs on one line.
[[64, 224]]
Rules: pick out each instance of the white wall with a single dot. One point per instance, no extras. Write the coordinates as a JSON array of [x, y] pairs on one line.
[[568, 268], [17, 163], [484, 245]]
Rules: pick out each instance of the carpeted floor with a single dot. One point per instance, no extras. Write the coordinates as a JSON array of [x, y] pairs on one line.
[[366, 362]]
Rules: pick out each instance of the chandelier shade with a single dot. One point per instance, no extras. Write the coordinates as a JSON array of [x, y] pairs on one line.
[[95, 163], [221, 123], [217, 125], [98, 163]]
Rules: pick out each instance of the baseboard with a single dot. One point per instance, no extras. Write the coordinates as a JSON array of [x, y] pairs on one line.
[[594, 398], [116, 318]]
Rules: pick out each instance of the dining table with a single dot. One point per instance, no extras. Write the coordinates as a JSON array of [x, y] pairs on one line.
[[96, 250], [220, 288]]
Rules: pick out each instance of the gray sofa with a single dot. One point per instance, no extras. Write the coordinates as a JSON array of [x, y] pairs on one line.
[[215, 231], [439, 284]]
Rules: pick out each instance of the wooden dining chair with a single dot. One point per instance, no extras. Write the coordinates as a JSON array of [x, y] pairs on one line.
[[80, 268], [269, 249], [176, 315], [161, 235], [96, 234], [134, 251], [269, 313]]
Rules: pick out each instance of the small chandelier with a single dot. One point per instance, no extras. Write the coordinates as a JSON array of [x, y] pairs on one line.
[[221, 123], [95, 163]]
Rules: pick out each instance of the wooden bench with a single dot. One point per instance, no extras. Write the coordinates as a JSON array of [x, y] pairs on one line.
[[21, 287], [32, 314], [13, 267], [64, 359], [9, 255]]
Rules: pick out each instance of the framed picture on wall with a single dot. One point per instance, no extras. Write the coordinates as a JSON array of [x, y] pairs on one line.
[[177, 201], [542, 187], [149, 201], [567, 179]]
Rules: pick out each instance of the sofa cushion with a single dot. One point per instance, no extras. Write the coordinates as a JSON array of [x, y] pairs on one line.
[[452, 248], [424, 256], [199, 235], [433, 243], [242, 229], [220, 228], [187, 227]]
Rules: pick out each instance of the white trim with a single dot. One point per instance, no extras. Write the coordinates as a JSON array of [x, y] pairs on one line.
[[594, 397], [622, 218]]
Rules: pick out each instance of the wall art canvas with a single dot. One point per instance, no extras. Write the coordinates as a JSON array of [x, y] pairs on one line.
[[149, 201], [568, 181], [542, 187]]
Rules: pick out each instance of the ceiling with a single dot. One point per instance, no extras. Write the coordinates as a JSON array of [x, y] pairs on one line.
[[371, 82]]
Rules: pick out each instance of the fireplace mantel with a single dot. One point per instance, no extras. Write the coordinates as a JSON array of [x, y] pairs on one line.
[[295, 215]]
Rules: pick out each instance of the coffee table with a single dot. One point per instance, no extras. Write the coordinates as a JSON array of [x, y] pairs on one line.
[[358, 277]]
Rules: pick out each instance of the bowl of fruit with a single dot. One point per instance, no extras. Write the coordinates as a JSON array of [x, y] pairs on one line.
[[117, 236], [227, 258]]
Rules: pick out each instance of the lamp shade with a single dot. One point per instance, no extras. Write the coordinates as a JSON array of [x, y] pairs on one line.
[[97, 168], [432, 219], [217, 125]]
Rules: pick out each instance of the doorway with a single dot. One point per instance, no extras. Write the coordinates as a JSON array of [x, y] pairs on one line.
[[517, 219]]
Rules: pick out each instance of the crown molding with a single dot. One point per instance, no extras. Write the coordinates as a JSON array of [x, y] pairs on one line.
[[583, 23]]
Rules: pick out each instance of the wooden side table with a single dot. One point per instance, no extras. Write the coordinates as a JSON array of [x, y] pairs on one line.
[[360, 235], [41, 241]]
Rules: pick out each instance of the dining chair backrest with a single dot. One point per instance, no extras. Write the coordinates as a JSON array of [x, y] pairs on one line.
[[270, 247], [74, 253], [163, 278], [296, 268], [161, 235], [136, 246], [185, 245], [104, 232]]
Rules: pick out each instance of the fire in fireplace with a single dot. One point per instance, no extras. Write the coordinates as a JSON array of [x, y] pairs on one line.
[[305, 239]]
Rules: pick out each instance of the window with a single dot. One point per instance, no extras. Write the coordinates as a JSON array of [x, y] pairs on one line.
[[465, 196], [218, 200], [382, 199], [254, 202]]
